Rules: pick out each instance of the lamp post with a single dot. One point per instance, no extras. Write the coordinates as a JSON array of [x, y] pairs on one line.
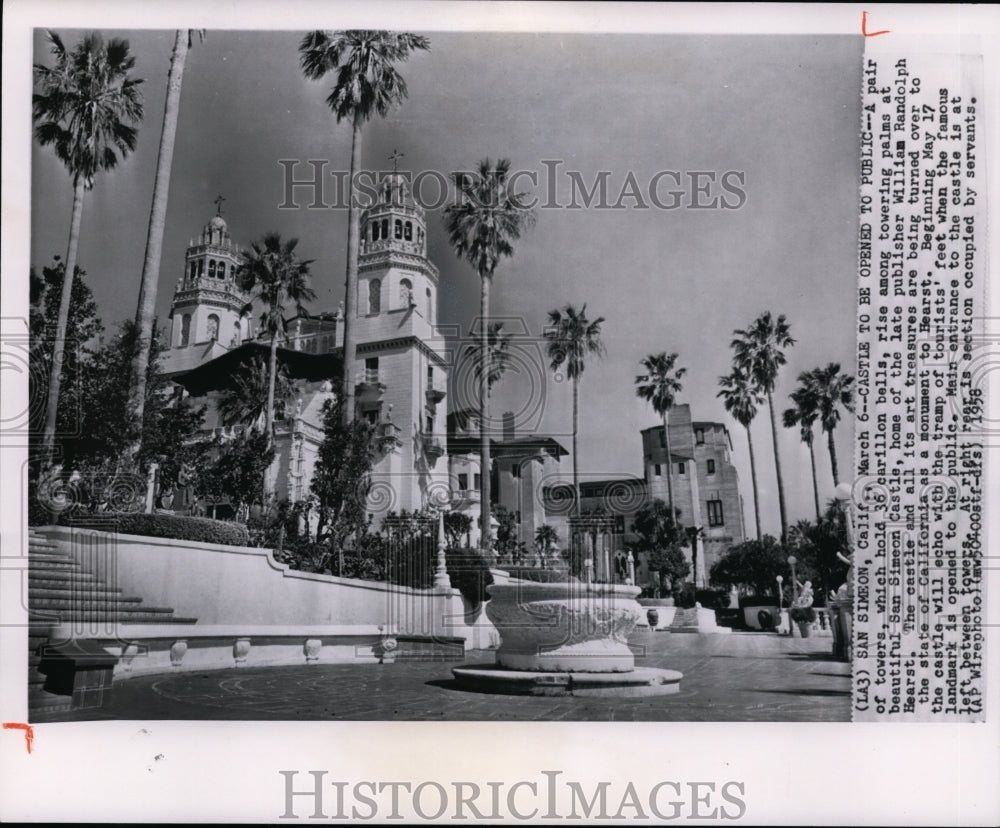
[[780, 580]]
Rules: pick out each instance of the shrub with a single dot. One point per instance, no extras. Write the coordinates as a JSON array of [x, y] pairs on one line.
[[540, 576], [684, 596], [712, 598], [176, 527], [806, 614], [470, 574]]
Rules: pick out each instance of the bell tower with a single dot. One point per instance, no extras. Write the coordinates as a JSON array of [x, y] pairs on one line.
[[208, 304], [401, 365]]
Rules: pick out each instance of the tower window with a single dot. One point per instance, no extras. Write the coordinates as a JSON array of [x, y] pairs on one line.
[[374, 296], [194, 270], [236, 333], [657, 470], [715, 513], [213, 327], [221, 272], [430, 306], [406, 293], [185, 328], [374, 231], [371, 369], [711, 467], [211, 268], [408, 231], [398, 225], [680, 468], [385, 228], [201, 268], [699, 436]]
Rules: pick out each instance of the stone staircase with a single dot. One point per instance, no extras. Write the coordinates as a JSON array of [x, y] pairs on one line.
[[60, 591]]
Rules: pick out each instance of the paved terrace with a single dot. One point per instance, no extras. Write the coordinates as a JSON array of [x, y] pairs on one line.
[[734, 677]]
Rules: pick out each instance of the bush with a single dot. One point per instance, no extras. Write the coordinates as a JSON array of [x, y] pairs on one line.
[[470, 574], [176, 527], [685, 596], [712, 598], [539, 576]]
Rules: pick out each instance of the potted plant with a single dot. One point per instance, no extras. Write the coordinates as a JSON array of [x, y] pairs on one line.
[[804, 617]]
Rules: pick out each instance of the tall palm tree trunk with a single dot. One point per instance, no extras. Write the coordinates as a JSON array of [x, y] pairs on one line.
[[777, 469], [670, 465], [484, 412], [272, 372], [62, 324], [351, 286], [576, 424], [833, 457], [812, 461], [753, 481], [154, 236]]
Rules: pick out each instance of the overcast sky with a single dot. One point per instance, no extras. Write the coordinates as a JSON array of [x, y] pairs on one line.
[[784, 111]]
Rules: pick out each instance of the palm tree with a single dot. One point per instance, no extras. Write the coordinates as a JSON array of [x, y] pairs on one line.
[[571, 337], [146, 306], [804, 415], [741, 399], [832, 390], [660, 386], [87, 108], [275, 272], [245, 403], [367, 84], [482, 226], [760, 351], [497, 359]]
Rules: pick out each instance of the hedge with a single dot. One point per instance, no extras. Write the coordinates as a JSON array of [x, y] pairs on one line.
[[176, 527], [542, 576]]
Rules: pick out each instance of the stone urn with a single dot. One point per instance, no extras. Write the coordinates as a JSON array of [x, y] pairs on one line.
[[564, 627], [652, 617]]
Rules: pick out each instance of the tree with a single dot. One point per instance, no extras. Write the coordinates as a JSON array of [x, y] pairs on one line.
[[482, 228], [832, 390], [273, 269], [804, 415], [236, 472], [660, 386], [87, 107], [741, 398], [546, 538], [751, 566], [245, 401], [662, 540], [497, 358], [817, 545], [83, 327], [457, 526], [367, 84], [759, 350], [146, 306], [342, 478], [571, 338], [508, 547]]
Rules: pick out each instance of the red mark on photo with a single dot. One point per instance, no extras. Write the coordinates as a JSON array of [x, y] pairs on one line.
[[29, 731], [864, 27]]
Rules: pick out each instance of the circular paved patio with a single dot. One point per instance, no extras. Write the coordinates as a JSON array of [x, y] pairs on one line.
[[735, 677]]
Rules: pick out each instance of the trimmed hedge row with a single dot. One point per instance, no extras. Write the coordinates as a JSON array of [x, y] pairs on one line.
[[175, 527]]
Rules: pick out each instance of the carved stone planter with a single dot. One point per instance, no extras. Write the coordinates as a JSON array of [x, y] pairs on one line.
[[177, 651], [241, 649], [564, 627]]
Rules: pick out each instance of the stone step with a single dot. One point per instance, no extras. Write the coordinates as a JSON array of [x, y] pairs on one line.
[[147, 615], [72, 602], [36, 558], [45, 565], [60, 575], [64, 589]]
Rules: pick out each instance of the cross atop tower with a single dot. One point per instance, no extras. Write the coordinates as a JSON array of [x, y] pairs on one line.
[[218, 205], [396, 155]]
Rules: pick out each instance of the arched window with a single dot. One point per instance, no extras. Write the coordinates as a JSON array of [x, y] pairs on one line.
[[399, 228], [201, 268], [221, 271], [236, 334], [213, 327], [194, 270], [374, 231], [405, 293], [211, 268], [430, 307], [385, 228], [374, 296], [408, 231], [185, 328]]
